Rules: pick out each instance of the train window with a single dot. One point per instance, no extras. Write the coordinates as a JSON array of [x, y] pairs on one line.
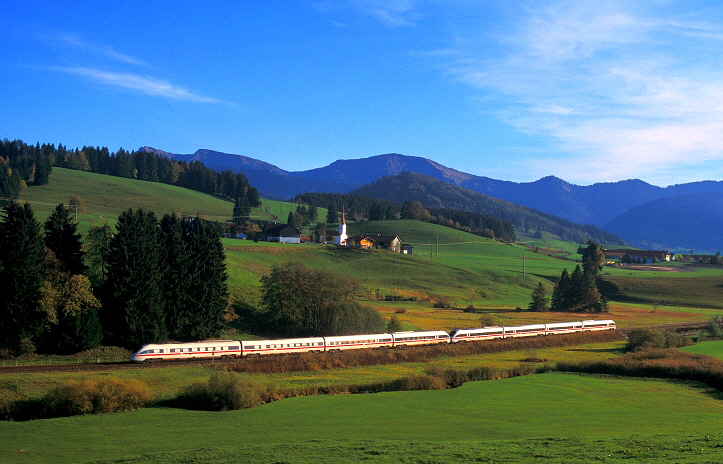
[[150, 351], [160, 351], [233, 347], [173, 350]]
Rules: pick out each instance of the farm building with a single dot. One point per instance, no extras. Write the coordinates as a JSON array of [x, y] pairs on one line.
[[284, 233], [384, 242]]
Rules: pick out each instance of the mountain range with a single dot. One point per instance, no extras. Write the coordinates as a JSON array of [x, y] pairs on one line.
[[643, 214]]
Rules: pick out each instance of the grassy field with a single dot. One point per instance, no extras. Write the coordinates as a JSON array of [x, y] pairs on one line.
[[711, 348], [480, 417]]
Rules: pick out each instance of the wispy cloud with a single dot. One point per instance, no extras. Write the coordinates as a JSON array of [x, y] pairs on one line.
[[143, 84], [625, 91], [76, 41], [391, 13]]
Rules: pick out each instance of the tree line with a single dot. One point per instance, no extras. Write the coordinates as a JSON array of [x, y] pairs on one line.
[[147, 282], [361, 207], [22, 163]]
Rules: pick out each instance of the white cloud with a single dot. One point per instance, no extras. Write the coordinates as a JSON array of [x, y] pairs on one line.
[[146, 85], [625, 91], [107, 51]]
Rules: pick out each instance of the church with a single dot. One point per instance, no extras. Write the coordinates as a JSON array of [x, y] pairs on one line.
[[340, 237]]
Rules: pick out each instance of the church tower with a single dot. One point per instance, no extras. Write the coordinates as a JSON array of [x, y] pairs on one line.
[[342, 230]]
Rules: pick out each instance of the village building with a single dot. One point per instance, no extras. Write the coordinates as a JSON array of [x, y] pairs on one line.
[[382, 242], [283, 233], [639, 256]]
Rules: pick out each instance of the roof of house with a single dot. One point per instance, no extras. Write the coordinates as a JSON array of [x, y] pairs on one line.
[[281, 230]]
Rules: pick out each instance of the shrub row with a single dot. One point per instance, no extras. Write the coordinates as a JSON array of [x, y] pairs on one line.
[[356, 358], [226, 390], [666, 364]]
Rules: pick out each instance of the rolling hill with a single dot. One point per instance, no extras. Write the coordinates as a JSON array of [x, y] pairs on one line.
[[434, 193], [597, 204]]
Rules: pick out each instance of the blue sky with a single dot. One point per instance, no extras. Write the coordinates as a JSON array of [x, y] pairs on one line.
[[589, 91]]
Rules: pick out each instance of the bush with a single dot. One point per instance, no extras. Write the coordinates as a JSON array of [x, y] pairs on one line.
[[88, 397], [487, 320], [420, 382], [443, 302], [224, 391], [646, 339]]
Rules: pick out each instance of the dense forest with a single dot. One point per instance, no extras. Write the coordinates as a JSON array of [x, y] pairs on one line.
[[360, 207], [22, 164]]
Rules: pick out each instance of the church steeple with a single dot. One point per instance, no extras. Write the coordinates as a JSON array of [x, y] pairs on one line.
[[342, 229]]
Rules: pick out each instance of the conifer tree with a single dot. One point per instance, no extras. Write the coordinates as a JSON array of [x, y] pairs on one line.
[[22, 274], [176, 276], [134, 310], [561, 293], [578, 289], [207, 289], [539, 298], [61, 238], [97, 247]]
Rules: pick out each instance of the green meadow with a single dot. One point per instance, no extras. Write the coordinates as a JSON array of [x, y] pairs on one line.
[[711, 348]]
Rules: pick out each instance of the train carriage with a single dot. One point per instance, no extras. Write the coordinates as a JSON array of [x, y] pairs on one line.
[[563, 327], [482, 333], [350, 342], [606, 324], [187, 351], [282, 346], [530, 330], [431, 337]]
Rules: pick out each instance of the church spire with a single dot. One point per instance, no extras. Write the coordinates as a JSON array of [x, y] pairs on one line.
[[342, 229]]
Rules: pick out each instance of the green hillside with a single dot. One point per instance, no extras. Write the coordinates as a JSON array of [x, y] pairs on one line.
[[469, 269], [106, 196]]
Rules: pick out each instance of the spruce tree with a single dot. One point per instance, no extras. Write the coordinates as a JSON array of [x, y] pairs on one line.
[[97, 247], [176, 277], [561, 293], [539, 298], [61, 238], [134, 310], [22, 275], [207, 289], [578, 289]]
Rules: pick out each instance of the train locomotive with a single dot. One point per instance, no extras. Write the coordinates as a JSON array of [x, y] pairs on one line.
[[224, 349]]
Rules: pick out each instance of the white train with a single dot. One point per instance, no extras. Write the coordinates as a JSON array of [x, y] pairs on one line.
[[222, 349]]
